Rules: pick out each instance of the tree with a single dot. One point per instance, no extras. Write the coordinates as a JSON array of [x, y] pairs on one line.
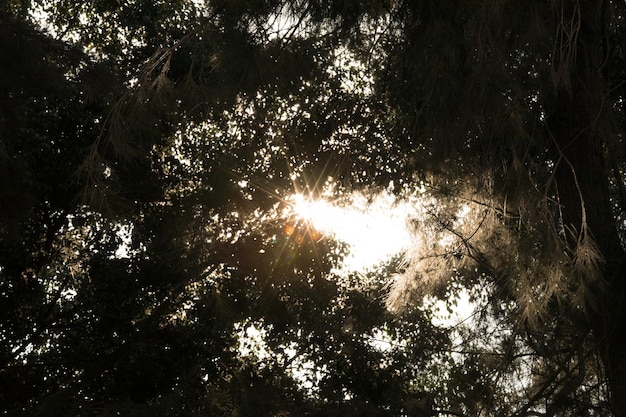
[[131, 270], [128, 273]]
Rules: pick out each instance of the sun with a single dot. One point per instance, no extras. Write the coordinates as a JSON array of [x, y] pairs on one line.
[[374, 227]]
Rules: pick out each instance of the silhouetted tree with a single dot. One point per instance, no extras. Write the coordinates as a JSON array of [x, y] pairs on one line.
[[147, 152]]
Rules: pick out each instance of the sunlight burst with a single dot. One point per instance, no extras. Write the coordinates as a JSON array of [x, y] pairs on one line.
[[375, 229]]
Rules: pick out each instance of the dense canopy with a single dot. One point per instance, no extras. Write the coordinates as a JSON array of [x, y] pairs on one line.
[[153, 260]]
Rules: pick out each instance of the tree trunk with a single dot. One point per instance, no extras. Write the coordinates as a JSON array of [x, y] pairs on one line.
[[577, 127]]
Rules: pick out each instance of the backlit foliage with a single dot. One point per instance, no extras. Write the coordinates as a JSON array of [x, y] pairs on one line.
[[150, 155]]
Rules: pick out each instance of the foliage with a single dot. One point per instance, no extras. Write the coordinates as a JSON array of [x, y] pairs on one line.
[[151, 263]]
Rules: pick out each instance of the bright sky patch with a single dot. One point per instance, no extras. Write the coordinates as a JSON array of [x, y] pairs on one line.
[[374, 228]]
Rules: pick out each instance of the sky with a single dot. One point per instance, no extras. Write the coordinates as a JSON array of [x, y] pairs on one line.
[[375, 228]]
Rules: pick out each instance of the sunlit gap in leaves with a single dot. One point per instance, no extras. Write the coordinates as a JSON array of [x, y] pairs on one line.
[[251, 344], [375, 228], [378, 228]]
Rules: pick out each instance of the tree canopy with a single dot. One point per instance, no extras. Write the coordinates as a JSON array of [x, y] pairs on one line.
[[152, 261]]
